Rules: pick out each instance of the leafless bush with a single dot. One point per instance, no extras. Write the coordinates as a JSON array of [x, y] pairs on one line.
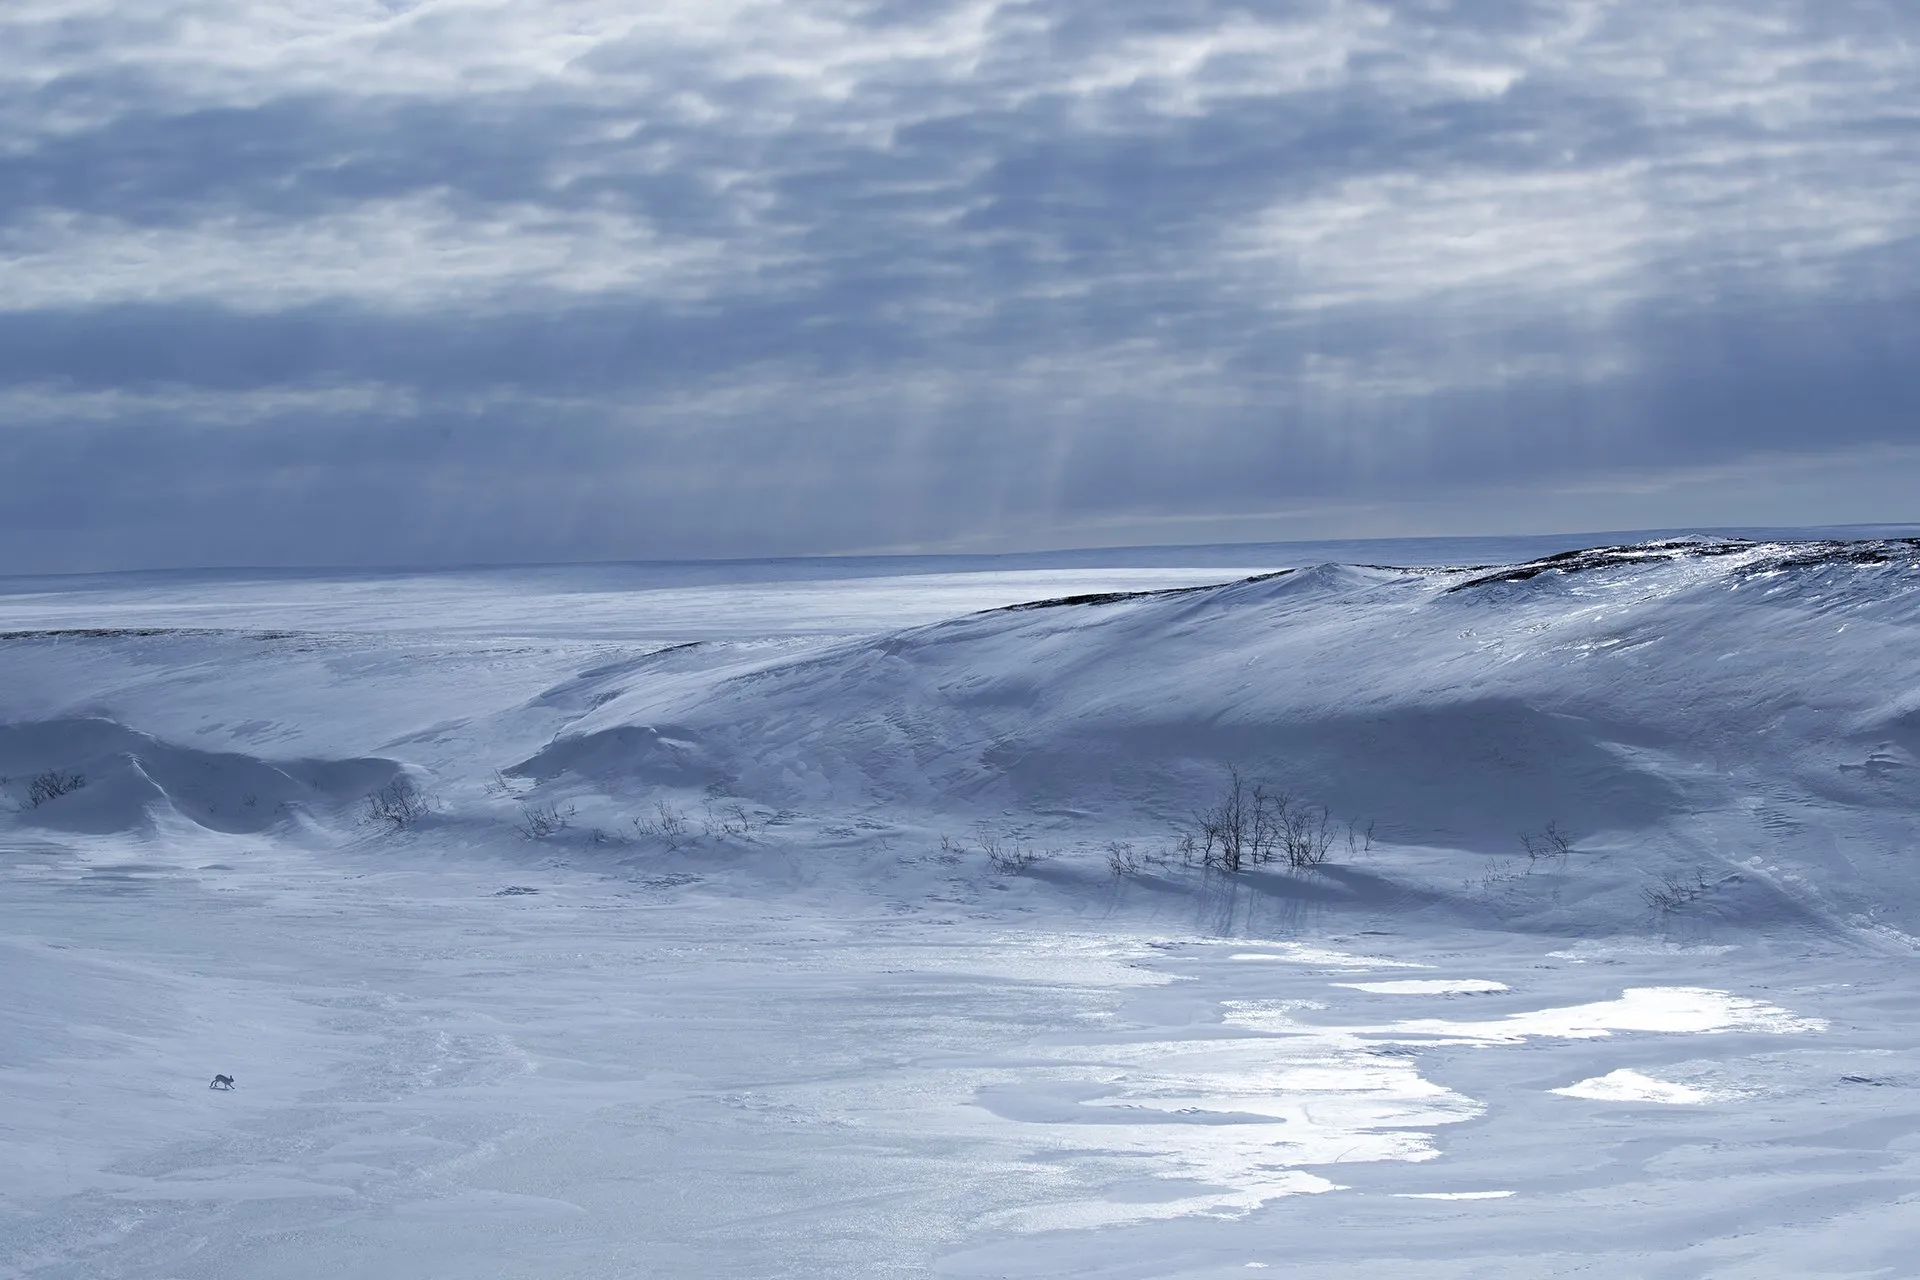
[[1123, 859], [667, 825], [1306, 835], [1007, 855], [399, 804], [1252, 824], [728, 821], [1241, 829], [1551, 845], [1359, 841], [1671, 892], [51, 785], [501, 787], [541, 821]]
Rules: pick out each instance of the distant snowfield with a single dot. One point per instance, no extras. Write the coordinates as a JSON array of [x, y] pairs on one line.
[[698, 965]]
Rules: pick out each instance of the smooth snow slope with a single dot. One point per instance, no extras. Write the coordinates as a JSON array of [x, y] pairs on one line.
[[758, 1004], [1743, 709]]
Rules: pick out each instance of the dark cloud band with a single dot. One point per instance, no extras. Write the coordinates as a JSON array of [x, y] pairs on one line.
[[818, 276]]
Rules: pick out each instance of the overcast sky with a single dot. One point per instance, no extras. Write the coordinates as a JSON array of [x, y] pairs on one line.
[[376, 281]]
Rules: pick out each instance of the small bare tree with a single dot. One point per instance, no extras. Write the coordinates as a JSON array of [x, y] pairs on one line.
[[501, 787], [1251, 825], [399, 804], [1670, 893], [541, 821], [667, 825], [1007, 855], [730, 820], [1551, 845], [51, 785], [1242, 829], [1306, 834]]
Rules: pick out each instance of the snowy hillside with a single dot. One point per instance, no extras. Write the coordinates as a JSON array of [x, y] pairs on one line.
[[702, 940], [1618, 695]]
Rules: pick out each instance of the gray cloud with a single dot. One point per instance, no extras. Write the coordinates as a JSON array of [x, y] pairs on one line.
[[381, 282]]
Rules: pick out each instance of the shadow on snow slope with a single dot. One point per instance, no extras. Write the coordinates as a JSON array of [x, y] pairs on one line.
[[132, 777], [1615, 690]]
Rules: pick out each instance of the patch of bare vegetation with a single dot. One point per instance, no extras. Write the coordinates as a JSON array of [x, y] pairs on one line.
[[398, 805]]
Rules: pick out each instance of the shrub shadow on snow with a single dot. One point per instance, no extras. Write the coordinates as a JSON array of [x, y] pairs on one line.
[[1473, 774]]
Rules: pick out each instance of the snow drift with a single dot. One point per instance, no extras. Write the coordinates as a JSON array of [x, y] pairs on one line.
[[1622, 693], [1450, 703], [120, 779], [827, 1042]]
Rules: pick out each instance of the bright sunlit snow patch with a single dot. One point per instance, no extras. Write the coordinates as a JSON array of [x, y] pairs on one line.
[[1301, 953], [1628, 1085], [1267, 1015], [1086, 1215], [1046, 957], [1242, 1117], [1429, 987], [1672, 1010], [1451, 1195], [1584, 951]]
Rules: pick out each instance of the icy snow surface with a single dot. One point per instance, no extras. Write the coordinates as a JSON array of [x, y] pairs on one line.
[[698, 964]]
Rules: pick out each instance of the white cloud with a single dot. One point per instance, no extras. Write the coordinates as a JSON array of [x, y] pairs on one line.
[[48, 404], [1113, 263], [418, 251], [1722, 134]]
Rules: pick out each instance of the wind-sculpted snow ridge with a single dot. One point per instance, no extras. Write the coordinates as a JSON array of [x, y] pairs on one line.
[[1740, 709], [1121, 597], [115, 779], [1755, 557], [701, 964], [139, 633]]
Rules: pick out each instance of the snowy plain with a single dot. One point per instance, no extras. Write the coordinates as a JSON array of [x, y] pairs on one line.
[[763, 1006]]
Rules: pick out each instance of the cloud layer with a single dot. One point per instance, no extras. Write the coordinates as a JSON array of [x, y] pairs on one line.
[[370, 281]]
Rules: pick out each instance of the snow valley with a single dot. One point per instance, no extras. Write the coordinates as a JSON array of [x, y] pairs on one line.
[[876, 918]]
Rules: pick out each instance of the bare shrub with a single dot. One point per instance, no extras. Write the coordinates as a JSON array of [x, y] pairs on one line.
[[501, 787], [1549, 846], [399, 804], [728, 821], [1123, 859], [1239, 830], [1251, 824], [541, 821], [1670, 893], [1006, 855], [51, 785], [667, 825], [1306, 835]]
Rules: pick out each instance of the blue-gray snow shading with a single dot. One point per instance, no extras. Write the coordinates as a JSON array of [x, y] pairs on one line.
[[705, 942], [1684, 693]]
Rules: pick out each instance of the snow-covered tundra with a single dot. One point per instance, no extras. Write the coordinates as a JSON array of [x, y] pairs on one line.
[[841, 920]]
